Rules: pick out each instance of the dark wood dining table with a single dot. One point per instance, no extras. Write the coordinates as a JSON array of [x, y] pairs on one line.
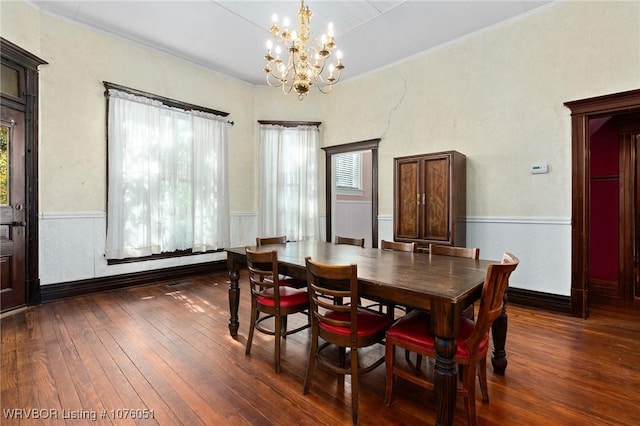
[[444, 284]]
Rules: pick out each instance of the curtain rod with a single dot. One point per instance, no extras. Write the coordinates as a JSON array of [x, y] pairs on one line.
[[166, 101]]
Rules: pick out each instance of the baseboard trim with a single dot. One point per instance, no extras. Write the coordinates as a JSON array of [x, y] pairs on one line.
[[52, 292], [536, 299]]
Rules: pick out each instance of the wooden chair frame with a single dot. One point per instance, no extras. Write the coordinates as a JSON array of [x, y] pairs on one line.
[[491, 303], [260, 241], [350, 241], [468, 252], [336, 282], [397, 246], [265, 284]]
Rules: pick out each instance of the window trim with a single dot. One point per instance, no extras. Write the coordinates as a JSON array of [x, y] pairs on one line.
[[290, 123], [166, 101], [166, 255], [171, 103]]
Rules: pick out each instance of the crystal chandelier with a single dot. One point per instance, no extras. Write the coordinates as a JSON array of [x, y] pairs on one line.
[[308, 62]]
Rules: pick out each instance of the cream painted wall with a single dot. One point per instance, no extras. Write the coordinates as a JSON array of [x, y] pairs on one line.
[[73, 106], [72, 146], [19, 24], [496, 96]]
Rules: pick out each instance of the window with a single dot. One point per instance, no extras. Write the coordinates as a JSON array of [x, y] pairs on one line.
[[167, 175], [348, 172], [289, 182]]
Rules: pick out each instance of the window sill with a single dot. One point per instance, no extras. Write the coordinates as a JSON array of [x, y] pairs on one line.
[[177, 253]]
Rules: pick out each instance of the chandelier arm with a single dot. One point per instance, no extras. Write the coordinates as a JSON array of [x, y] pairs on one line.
[[336, 76], [322, 88], [286, 88], [271, 74]]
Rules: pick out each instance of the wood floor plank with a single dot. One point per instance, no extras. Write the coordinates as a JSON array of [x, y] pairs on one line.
[[179, 354], [9, 376], [67, 393], [103, 375], [27, 391], [166, 347], [185, 404], [61, 314]]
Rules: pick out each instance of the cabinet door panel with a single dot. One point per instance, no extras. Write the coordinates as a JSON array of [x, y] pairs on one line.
[[436, 199], [407, 203]]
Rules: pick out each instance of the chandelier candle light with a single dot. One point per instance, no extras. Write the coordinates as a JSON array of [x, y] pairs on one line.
[[305, 66]]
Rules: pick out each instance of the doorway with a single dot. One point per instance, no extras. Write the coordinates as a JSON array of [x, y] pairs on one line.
[[12, 213], [605, 201], [613, 208], [370, 147], [352, 195], [19, 281]]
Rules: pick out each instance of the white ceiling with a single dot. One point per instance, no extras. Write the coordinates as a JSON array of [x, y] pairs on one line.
[[229, 36]]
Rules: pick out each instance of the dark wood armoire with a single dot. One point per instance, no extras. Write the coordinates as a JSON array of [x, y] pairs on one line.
[[430, 199]]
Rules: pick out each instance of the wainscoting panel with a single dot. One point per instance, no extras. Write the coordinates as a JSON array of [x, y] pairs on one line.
[[543, 246], [72, 248], [353, 219]]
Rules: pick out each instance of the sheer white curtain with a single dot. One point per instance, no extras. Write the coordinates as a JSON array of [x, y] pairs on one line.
[[289, 182], [167, 179]]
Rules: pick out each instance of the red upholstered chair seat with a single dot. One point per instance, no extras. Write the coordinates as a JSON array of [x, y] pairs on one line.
[[368, 322], [412, 333], [413, 329], [288, 297]]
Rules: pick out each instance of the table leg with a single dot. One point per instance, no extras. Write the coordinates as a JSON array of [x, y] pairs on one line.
[[234, 294], [499, 332], [445, 371]]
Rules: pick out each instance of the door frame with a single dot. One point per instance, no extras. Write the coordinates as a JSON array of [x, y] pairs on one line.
[[330, 151], [16, 57], [581, 111]]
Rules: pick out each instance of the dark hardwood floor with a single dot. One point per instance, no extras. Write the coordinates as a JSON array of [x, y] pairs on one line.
[[163, 351]]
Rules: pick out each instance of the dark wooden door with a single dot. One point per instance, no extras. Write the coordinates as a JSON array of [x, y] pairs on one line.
[[12, 208]]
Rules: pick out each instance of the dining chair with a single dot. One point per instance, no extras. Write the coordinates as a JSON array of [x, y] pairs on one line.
[[343, 326], [468, 252], [284, 280], [350, 241], [413, 332], [397, 246], [393, 246], [271, 240], [272, 299]]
